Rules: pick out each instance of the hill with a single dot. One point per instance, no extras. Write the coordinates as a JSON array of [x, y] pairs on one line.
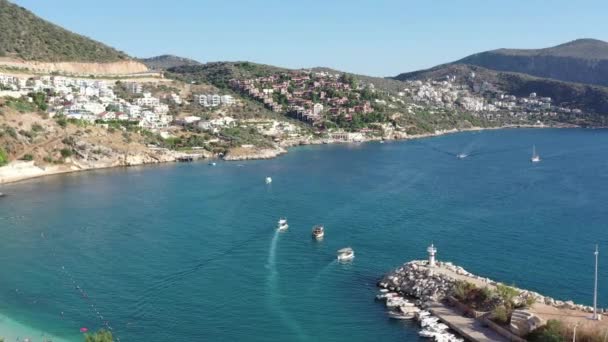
[[23, 35], [591, 99], [581, 60], [168, 61], [219, 73]]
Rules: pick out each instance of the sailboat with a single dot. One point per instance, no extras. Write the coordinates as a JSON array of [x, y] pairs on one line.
[[535, 157]]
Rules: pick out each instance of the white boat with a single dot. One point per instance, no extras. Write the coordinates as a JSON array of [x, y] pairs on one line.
[[397, 315], [535, 157], [268, 180], [346, 254], [212, 164], [461, 155], [426, 333], [282, 224], [318, 232]]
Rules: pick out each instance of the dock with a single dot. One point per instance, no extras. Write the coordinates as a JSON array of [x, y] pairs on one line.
[[469, 328]]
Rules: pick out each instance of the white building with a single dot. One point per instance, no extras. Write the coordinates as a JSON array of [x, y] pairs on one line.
[[133, 87], [317, 108], [208, 100], [147, 101], [227, 100]]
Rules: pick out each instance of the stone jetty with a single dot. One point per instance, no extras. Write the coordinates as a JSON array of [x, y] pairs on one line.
[[433, 285], [417, 279]]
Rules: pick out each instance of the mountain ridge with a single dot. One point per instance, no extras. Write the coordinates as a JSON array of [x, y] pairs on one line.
[[582, 61]]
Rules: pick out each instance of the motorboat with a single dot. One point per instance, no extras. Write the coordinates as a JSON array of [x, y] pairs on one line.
[[398, 315], [318, 232], [268, 180], [282, 224], [212, 164], [461, 155], [535, 157], [346, 254]]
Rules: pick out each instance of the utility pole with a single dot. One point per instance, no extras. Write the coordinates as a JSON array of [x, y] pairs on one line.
[[595, 315]]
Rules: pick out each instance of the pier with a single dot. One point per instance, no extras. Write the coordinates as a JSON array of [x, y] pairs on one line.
[[469, 328], [436, 285]]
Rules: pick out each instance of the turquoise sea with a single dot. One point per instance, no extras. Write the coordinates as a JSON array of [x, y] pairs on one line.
[[189, 252]]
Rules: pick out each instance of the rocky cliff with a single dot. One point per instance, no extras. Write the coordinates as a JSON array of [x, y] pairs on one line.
[[127, 67]]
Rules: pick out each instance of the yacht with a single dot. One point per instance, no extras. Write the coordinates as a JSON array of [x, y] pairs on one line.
[[318, 232], [282, 224], [346, 254], [535, 157], [268, 180]]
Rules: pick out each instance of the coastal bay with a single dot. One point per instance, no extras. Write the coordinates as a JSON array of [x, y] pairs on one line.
[[183, 251]]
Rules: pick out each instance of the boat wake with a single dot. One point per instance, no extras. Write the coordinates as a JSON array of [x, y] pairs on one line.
[[315, 281], [273, 292]]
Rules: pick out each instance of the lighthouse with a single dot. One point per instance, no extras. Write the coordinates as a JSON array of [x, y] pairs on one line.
[[432, 251]]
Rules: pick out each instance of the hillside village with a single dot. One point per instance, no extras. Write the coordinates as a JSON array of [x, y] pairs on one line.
[[337, 106]]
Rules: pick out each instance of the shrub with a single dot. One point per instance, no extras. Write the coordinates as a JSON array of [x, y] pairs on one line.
[[551, 332], [37, 128], [62, 121], [3, 157], [28, 157], [462, 290], [500, 314], [100, 336], [507, 294], [66, 152]]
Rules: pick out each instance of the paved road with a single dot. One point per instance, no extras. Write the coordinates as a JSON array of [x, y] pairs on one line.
[[469, 328]]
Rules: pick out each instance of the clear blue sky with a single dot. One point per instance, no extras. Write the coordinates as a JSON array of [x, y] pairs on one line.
[[379, 37]]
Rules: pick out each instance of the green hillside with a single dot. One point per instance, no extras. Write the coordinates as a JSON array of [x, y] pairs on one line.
[[26, 36]]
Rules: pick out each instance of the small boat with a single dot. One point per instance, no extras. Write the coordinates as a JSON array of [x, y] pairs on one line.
[[346, 254], [461, 155], [535, 157], [268, 180], [2, 194], [212, 163], [427, 333], [382, 141], [397, 315], [318, 232], [282, 224]]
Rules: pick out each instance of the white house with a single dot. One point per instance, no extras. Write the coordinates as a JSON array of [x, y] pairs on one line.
[[317, 108], [147, 101], [227, 100]]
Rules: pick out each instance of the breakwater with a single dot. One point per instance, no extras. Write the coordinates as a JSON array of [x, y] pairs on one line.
[[417, 279], [450, 292]]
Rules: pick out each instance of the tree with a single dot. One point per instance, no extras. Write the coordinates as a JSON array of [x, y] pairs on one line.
[[3, 157], [100, 336]]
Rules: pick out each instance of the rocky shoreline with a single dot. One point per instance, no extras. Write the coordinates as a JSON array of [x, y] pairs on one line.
[[19, 171], [417, 280]]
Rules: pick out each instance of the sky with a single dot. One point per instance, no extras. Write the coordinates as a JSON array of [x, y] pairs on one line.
[[374, 37]]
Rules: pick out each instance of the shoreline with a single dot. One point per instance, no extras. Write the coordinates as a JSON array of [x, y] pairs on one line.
[[10, 173]]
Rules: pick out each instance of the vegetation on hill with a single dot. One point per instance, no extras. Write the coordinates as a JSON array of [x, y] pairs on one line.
[[168, 61], [219, 73], [582, 60], [27, 36]]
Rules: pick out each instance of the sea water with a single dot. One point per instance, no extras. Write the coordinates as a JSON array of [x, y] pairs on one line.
[[189, 252]]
